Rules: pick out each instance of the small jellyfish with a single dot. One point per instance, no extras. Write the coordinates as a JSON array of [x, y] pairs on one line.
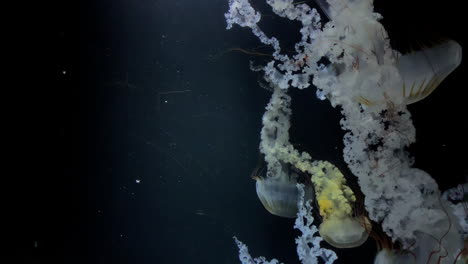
[[339, 227], [345, 232], [279, 195]]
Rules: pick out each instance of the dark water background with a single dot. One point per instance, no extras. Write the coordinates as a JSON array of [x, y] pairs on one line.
[[152, 94]]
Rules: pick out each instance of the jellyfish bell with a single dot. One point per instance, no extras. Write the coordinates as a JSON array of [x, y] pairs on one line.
[[279, 194], [341, 227], [420, 73], [346, 232], [280, 197]]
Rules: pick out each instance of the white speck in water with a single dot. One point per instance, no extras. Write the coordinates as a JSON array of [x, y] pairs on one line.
[[137, 180]]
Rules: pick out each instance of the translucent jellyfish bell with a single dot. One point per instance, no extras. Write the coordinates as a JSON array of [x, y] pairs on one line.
[[421, 73], [424, 70], [339, 227], [279, 195], [347, 232]]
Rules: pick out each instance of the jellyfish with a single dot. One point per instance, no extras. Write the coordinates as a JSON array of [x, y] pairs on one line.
[[421, 73], [339, 227], [277, 189], [350, 61], [279, 195], [286, 166]]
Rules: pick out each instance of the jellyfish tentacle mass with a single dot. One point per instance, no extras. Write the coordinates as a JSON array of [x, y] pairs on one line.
[[351, 63], [277, 191]]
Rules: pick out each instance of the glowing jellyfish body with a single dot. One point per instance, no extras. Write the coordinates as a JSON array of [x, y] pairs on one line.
[[424, 70], [339, 227], [420, 72], [346, 232], [280, 197]]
